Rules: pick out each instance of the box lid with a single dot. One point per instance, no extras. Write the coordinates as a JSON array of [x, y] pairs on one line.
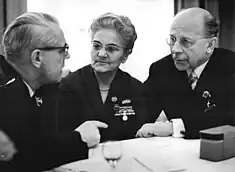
[[216, 133]]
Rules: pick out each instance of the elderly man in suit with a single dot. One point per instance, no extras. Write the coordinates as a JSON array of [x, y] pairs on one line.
[[193, 85], [36, 48], [6, 71]]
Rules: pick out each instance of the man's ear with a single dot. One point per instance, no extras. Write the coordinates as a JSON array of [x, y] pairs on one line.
[[211, 45], [36, 58]]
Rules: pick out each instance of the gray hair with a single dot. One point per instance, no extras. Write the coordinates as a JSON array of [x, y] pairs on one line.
[[21, 35], [121, 24], [211, 26]]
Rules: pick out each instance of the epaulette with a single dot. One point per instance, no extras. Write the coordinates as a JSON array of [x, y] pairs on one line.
[[9, 82]]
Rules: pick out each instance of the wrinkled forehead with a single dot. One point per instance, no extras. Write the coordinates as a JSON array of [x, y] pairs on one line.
[[190, 25], [108, 36]]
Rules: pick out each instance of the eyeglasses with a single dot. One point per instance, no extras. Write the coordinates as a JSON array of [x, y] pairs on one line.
[[64, 49], [111, 48], [183, 41]]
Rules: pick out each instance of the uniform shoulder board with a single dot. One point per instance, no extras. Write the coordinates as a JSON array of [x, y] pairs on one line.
[[9, 82]]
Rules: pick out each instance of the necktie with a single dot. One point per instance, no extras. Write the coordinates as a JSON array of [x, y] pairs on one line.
[[193, 80]]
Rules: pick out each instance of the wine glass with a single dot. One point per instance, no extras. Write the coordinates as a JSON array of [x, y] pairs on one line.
[[112, 152]]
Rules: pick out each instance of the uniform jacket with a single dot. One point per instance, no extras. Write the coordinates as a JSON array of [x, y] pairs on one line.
[[6, 71], [83, 101], [168, 89], [34, 130]]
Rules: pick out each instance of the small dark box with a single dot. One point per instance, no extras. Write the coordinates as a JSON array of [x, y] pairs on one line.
[[217, 143]]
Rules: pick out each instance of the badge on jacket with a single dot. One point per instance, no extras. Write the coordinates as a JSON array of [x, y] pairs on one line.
[[210, 104], [39, 101], [123, 109]]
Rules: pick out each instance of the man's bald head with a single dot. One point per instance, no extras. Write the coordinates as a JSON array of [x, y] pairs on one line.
[[192, 38], [199, 19]]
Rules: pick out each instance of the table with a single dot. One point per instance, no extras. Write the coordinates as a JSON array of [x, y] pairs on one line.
[[166, 154]]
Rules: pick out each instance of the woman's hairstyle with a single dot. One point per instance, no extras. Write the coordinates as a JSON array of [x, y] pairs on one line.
[[121, 24], [26, 32]]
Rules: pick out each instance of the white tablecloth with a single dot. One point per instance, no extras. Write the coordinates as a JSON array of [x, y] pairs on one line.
[[166, 154]]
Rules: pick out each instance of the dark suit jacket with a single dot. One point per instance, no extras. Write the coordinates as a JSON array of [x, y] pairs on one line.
[[82, 101], [34, 130], [168, 89], [7, 72]]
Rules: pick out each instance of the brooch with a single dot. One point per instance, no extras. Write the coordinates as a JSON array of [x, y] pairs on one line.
[[209, 105]]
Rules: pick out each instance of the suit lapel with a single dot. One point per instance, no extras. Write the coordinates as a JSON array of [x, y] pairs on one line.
[[180, 81], [29, 108], [48, 113], [22, 110], [208, 76]]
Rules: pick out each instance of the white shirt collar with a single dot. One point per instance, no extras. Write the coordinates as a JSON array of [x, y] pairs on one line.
[[31, 91], [199, 69]]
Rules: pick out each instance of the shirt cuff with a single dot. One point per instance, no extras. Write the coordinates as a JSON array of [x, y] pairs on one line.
[[178, 127]]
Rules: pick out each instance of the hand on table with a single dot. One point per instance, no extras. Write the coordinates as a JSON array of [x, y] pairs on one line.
[[7, 148], [158, 128], [61, 169], [89, 132]]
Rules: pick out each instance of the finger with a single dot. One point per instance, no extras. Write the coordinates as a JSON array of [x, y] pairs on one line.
[[100, 124], [144, 135], [147, 134], [137, 134], [95, 136], [93, 143], [140, 133], [98, 137]]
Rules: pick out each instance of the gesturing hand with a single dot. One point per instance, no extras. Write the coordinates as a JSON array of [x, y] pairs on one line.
[[7, 148], [89, 132]]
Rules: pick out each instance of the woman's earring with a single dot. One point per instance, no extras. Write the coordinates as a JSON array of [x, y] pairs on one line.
[[124, 59]]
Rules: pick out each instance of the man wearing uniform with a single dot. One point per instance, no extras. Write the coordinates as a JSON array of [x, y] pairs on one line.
[[35, 47]]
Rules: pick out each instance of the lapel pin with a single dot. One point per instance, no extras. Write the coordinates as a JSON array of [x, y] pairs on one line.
[[38, 101], [206, 94], [124, 118], [127, 101], [114, 99]]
